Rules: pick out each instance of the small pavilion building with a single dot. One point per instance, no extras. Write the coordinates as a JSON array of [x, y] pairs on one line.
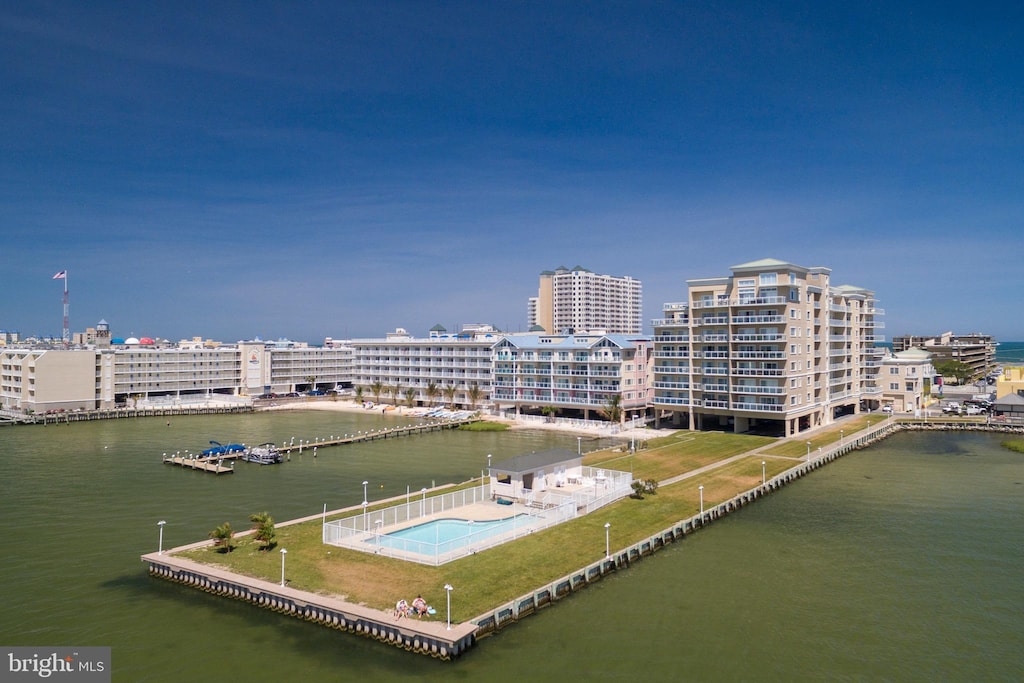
[[551, 478]]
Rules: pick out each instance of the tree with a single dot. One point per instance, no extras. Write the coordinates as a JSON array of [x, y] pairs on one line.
[[549, 412], [449, 395], [613, 408], [223, 538], [264, 527], [359, 394], [377, 388], [432, 392], [640, 487], [395, 389], [410, 397], [474, 394], [953, 368], [311, 379]]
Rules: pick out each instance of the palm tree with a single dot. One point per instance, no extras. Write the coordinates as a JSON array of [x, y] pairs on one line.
[[410, 397], [395, 389], [359, 394], [449, 395], [264, 526], [613, 408], [432, 391], [223, 538], [474, 394], [549, 412], [377, 388]]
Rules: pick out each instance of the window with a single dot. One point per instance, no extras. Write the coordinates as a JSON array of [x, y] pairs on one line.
[[894, 386], [894, 371], [910, 386], [792, 349], [769, 279]]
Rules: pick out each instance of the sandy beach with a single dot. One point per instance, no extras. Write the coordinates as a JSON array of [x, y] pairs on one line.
[[592, 428]]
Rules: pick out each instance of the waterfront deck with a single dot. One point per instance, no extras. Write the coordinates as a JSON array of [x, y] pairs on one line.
[[211, 465]]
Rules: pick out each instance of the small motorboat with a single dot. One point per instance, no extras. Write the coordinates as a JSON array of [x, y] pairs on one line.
[[264, 454]]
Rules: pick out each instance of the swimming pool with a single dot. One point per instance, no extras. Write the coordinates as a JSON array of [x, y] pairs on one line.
[[442, 536]]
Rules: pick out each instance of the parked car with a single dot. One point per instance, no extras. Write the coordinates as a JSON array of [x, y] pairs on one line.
[[887, 408], [974, 410]]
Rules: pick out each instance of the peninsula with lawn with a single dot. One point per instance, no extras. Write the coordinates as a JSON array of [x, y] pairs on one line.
[[687, 480]]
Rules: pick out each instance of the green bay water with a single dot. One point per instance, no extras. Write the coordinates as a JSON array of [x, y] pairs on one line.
[[901, 562]]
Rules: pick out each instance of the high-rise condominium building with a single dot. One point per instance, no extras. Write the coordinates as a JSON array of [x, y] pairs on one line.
[[580, 301], [773, 348]]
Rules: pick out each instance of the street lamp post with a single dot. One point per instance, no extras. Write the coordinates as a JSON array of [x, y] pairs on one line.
[[448, 589], [160, 547], [283, 553], [840, 437], [364, 493], [701, 489], [579, 445], [763, 473], [423, 501], [808, 450], [607, 548]]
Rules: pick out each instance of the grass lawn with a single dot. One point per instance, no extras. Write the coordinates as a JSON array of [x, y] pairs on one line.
[[500, 574]]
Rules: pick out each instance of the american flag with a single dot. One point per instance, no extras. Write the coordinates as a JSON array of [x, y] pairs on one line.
[[61, 275]]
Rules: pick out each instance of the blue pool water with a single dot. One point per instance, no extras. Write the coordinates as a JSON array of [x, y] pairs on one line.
[[444, 535]]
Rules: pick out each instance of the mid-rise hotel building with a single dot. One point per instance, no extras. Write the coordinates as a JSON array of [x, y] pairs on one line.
[[773, 347], [578, 301], [456, 365], [40, 379]]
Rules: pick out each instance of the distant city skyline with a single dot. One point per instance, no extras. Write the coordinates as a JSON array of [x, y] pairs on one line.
[[235, 171]]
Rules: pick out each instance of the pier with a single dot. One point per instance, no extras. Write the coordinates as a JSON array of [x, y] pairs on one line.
[[360, 437], [66, 417], [211, 465]]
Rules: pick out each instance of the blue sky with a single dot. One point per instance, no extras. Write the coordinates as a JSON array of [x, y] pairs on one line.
[[302, 170]]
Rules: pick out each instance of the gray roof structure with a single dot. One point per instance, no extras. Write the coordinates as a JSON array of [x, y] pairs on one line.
[[528, 462], [1011, 403]]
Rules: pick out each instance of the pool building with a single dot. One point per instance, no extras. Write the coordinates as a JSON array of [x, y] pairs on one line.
[[522, 495]]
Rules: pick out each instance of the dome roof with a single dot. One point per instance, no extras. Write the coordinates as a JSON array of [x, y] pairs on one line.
[[147, 341], [131, 340], [117, 340]]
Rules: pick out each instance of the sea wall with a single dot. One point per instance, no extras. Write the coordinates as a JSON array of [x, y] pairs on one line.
[[427, 638]]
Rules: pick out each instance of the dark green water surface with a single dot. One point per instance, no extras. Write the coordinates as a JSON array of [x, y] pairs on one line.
[[904, 562]]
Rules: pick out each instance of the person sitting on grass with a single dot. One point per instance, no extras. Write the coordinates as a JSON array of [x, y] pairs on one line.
[[401, 609], [420, 606]]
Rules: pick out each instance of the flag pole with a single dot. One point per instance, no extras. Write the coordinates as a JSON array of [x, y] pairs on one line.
[[67, 333]]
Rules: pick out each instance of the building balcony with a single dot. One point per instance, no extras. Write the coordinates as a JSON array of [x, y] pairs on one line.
[[710, 321], [747, 389], [759, 301], [776, 337], [757, 319], [672, 369], [671, 338], [672, 385], [760, 407], [715, 371], [761, 355], [671, 354], [758, 372], [669, 322], [672, 401]]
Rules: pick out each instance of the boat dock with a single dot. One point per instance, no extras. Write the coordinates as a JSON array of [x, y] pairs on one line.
[[360, 437], [212, 465]]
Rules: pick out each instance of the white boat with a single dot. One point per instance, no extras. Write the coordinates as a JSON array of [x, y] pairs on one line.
[[264, 454]]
